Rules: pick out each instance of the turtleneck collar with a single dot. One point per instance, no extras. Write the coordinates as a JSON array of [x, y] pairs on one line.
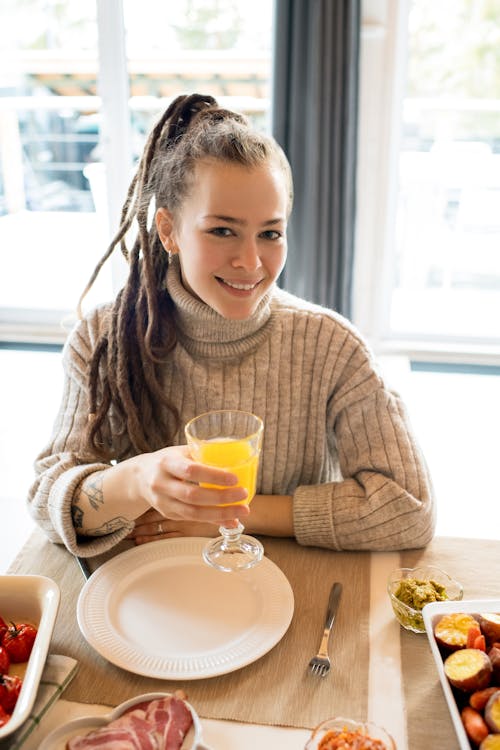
[[204, 332]]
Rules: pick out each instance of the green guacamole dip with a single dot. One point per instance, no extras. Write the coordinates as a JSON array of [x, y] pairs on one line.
[[413, 593], [416, 593]]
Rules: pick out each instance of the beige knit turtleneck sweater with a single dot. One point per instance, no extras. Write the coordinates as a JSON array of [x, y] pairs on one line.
[[334, 436]]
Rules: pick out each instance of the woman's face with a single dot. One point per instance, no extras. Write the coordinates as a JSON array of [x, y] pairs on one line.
[[229, 234]]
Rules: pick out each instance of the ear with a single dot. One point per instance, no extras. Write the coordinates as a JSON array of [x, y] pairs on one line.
[[165, 228]]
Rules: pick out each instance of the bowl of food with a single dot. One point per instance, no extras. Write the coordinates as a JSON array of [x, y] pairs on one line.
[[151, 719], [410, 589], [28, 609], [336, 733]]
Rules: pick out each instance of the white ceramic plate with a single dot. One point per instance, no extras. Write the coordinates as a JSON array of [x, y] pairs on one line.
[[432, 613], [57, 739], [158, 610], [33, 599]]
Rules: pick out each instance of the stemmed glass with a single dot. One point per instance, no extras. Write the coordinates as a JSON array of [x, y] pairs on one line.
[[231, 440]]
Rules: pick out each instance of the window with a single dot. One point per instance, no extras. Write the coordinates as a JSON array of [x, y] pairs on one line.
[[446, 280], [429, 208], [81, 85], [49, 130]]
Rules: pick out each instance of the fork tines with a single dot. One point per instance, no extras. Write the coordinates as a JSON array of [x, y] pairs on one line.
[[319, 666]]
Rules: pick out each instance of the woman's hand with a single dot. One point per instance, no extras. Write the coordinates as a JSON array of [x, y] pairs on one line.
[[270, 515], [152, 526], [169, 481]]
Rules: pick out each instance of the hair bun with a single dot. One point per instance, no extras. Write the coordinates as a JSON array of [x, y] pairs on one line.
[[183, 110]]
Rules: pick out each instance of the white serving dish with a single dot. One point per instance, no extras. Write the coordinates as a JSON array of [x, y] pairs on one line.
[[431, 614], [58, 739], [32, 599]]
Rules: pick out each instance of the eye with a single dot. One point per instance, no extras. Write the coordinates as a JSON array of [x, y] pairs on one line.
[[271, 234], [220, 231]]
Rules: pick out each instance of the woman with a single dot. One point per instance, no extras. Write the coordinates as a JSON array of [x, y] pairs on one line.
[[201, 325]]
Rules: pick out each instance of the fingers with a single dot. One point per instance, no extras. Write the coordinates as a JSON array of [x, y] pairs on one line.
[[193, 494], [145, 539], [168, 529], [161, 530], [206, 514], [179, 464], [198, 474], [176, 488], [154, 523]]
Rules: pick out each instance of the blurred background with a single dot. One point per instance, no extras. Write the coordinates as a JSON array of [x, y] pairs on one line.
[[81, 83]]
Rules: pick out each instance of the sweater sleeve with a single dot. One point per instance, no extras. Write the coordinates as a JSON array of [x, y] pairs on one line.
[[385, 499], [59, 468]]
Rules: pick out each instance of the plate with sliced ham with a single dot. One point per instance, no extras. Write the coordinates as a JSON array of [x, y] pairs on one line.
[[153, 721], [160, 611]]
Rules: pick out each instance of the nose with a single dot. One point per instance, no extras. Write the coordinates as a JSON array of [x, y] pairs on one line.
[[248, 256]]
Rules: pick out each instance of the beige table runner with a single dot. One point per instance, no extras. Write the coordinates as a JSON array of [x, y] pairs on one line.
[[476, 564], [277, 688]]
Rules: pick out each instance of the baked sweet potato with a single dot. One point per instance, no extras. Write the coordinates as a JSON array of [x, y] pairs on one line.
[[468, 669], [451, 631], [492, 712], [491, 742], [494, 654], [490, 625]]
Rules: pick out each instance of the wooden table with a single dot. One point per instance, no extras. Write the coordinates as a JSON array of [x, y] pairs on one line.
[[381, 672]]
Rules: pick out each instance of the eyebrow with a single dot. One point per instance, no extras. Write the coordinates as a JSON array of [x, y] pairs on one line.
[[233, 220]]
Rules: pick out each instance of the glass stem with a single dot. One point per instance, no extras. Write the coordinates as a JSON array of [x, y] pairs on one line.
[[231, 536]]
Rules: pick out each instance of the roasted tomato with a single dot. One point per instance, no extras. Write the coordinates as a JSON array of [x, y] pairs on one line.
[[18, 641], [4, 661], [10, 687], [4, 717]]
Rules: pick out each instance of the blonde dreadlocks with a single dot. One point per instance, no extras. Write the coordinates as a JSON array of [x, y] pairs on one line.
[[124, 370]]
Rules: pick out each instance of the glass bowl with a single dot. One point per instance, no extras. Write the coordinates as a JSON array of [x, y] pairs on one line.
[[410, 617], [319, 737]]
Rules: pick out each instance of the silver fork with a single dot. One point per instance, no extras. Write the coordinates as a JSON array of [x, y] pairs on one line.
[[320, 664]]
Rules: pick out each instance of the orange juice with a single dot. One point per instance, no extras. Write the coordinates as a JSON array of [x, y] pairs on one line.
[[237, 456]]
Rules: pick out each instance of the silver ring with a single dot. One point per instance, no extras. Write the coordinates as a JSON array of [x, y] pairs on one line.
[[160, 528]]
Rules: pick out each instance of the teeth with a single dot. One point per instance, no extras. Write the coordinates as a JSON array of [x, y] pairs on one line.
[[246, 287]]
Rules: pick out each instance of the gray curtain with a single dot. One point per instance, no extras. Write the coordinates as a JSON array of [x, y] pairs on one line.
[[314, 119]]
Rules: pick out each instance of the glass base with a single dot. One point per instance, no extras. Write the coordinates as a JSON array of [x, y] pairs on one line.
[[233, 551]]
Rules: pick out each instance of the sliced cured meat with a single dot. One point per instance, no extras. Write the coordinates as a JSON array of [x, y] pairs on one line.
[[161, 724], [129, 732], [171, 719]]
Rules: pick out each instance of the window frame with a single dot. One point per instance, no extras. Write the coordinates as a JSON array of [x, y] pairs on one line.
[[384, 44], [45, 325]]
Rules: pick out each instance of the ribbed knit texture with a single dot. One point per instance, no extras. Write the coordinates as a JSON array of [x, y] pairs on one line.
[[335, 437]]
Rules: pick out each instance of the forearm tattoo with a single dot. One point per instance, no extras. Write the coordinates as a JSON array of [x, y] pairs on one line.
[[108, 527], [91, 493], [92, 490]]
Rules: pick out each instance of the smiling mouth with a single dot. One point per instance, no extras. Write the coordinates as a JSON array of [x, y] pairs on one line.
[[238, 285]]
